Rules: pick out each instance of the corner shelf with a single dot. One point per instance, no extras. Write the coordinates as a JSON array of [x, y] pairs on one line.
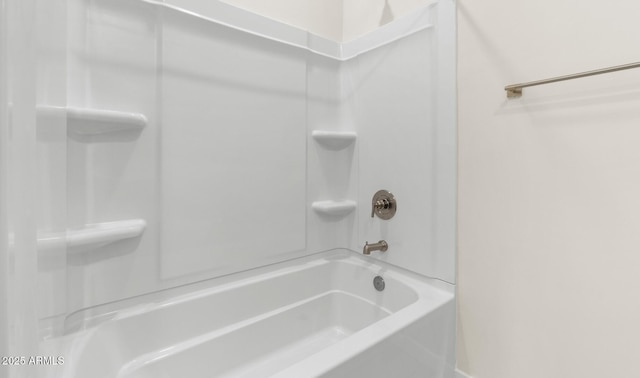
[[89, 121], [334, 140], [93, 236], [334, 208]]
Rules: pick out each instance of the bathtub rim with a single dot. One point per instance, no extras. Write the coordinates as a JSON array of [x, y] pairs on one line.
[[94, 316], [433, 295]]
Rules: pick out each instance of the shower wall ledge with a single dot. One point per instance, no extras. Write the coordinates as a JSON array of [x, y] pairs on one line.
[[334, 208], [252, 23], [92, 236], [334, 140], [90, 121]]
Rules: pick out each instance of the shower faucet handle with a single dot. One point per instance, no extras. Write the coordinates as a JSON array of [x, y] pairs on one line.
[[383, 205], [379, 205]]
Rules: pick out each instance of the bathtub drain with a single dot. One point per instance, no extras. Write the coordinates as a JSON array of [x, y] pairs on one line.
[[378, 283]]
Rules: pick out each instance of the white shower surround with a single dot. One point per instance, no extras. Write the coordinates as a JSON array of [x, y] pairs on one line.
[[351, 338], [337, 178]]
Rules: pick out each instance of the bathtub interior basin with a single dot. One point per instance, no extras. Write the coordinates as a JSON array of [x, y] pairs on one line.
[[306, 317]]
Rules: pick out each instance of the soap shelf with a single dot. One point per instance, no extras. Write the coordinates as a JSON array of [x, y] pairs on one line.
[[89, 121], [334, 140], [334, 208], [93, 236]]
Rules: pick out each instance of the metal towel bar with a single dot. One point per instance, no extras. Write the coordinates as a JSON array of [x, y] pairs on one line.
[[515, 90]]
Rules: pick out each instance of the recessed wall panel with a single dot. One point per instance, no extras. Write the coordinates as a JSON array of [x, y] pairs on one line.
[[233, 149]]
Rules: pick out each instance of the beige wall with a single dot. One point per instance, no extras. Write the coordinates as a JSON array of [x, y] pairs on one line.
[[549, 191], [339, 20], [363, 16], [323, 17]]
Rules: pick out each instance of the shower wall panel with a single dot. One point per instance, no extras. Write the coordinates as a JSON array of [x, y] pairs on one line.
[[332, 173], [113, 176], [233, 149], [405, 101], [218, 173], [397, 151]]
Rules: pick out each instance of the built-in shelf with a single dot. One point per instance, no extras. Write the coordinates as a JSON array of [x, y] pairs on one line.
[[93, 236], [89, 121], [334, 208], [334, 140]]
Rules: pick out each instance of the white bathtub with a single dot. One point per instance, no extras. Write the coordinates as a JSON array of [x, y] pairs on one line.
[[311, 317]]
